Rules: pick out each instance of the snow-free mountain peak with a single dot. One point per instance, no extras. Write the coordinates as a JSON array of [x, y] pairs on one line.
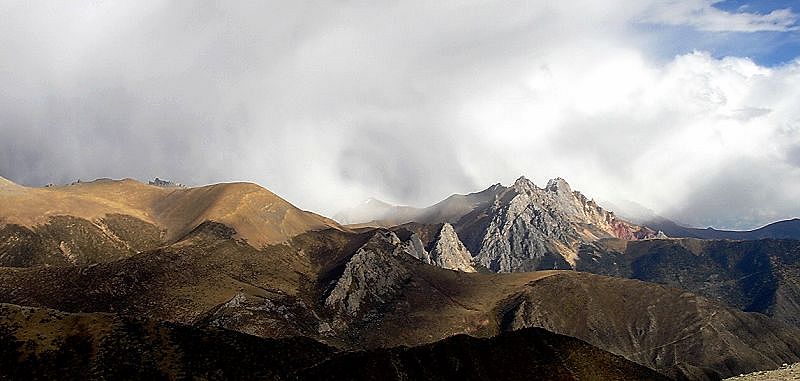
[[257, 215], [517, 228]]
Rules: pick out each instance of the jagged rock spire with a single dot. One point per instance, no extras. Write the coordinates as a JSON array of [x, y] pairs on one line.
[[523, 183], [449, 252], [533, 227]]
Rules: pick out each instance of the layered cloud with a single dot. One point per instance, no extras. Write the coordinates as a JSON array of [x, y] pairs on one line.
[[703, 15], [328, 104]]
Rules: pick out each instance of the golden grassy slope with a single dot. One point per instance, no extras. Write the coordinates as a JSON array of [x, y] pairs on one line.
[[258, 215]]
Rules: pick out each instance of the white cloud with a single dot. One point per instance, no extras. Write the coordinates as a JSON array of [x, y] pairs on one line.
[[653, 133], [330, 103], [702, 15]]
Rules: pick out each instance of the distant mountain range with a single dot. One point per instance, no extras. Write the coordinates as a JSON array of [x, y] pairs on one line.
[[788, 229], [94, 270]]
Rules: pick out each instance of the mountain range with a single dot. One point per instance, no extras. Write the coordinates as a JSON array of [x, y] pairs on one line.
[[788, 229], [500, 284], [517, 228]]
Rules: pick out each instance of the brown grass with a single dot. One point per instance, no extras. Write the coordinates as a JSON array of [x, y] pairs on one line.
[[258, 215]]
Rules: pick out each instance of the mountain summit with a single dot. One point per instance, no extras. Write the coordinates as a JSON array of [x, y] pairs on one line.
[[522, 227], [529, 228]]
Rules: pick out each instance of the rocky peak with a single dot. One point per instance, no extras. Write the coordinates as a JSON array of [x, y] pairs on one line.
[[374, 275], [532, 228], [523, 231], [449, 252], [415, 248], [444, 250], [523, 185], [558, 185]]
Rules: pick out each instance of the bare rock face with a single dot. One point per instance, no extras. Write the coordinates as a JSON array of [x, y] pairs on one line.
[[372, 277], [450, 253], [507, 229], [526, 225], [533, 228], [442, 248], [581, 210], [415, 248]]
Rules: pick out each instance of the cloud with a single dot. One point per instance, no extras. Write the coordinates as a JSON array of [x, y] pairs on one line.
[[327, 104], [702, 15], [656, 134]]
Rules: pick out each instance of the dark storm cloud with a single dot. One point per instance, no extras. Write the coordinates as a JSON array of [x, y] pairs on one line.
[[329, 103]]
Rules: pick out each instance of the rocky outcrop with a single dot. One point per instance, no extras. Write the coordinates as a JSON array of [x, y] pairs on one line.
[[415, 248], [449, 252], [529, 228], [445, 250], [580, 209], [165, 183], [508, 229], [373, 276], [436, 245], [527, 225]]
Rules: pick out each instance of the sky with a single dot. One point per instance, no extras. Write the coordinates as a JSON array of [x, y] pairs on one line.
[[689, 108]]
